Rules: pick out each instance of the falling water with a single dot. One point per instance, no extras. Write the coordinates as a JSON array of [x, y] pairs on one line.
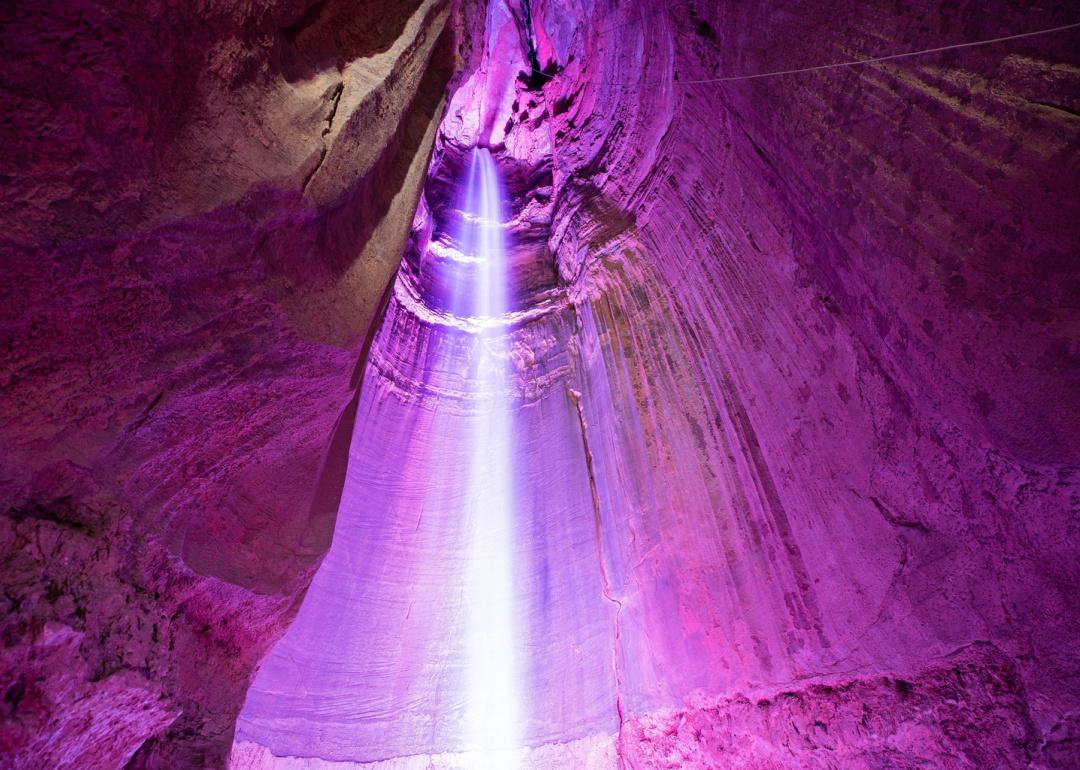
[[493, 702], [440, 630]]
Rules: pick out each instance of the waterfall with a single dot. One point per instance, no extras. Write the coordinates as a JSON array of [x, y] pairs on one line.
[[493, 702]]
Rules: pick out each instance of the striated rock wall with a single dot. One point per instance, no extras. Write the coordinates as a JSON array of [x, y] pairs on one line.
[[967, 711], [201, 207], [795, 374], [773, 510], [834, 312]]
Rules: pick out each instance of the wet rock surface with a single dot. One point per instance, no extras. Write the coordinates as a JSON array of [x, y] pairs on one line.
[[967, 711], [803, 368], [811, 284]]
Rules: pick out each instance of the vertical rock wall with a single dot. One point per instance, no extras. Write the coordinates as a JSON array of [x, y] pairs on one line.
[[201, 207], [835, 311], [798, 522], [803, 360]]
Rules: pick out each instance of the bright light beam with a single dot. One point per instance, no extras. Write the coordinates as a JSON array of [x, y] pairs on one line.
[[493, 717]]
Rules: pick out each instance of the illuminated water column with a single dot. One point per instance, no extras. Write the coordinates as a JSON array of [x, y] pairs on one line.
[[459, 620], [493, 716]]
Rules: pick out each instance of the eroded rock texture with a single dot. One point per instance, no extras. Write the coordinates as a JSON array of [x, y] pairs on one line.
[[844, 304], [794, 375], [967, 711], [796, 419], [202, 204]]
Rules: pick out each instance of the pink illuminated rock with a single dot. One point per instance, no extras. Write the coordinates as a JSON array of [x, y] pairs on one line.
[[793, 371], [967, 711], [786, 443], [201, 207], [831, 309]]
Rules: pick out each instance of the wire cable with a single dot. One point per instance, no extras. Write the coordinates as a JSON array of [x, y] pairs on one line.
[[890, 57], [853, 62]]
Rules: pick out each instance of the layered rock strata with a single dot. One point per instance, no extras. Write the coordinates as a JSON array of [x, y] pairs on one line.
[[782, 308], [795, 354], [837, 312], [202, 207]]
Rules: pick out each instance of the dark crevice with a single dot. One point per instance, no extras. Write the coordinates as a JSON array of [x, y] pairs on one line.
[[1059, 108], [575, 399], [59, 512], [335, 99], [897, 521], [759, 151], [702, 28], [536, 76], [142, 418], [315, 170]]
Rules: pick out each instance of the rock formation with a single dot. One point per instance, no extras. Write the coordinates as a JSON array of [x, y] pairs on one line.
[[793, 354], [202, 207]]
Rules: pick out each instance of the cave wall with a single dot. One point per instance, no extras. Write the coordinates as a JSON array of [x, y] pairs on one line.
[[775, 509], [813, 343], [833, 315], [202, 206]]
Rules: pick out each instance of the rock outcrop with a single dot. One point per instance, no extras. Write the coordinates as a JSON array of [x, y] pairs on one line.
[[844, 303], [202, 206]]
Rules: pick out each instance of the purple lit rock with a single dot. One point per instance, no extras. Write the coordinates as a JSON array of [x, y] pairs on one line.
[[812, 285], [760, 372], [201, 208], [793, 371]]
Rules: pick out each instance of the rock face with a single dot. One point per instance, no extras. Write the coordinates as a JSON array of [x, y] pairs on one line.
[[793, 371], [841, 301], [968, 711], [774, 509], [201, 208]]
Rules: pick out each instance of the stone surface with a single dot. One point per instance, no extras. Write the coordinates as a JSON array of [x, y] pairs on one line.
[[202, 206], [795, 369], [968, 711], [844, 304], [766, 370]]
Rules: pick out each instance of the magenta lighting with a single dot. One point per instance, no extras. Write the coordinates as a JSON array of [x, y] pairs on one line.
[[539, 385], [420, 651]]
